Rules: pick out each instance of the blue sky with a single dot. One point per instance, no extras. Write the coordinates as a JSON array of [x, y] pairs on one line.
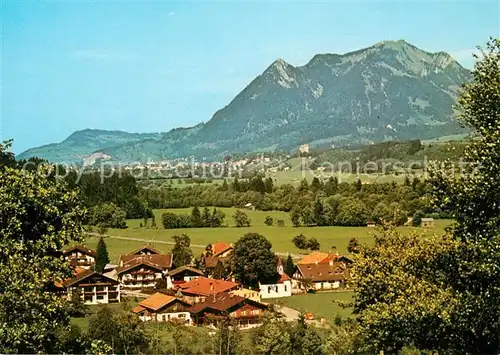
[[152, 66]]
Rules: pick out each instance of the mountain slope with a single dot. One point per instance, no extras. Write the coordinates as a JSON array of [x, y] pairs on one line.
[[82, 143], [389, 91]]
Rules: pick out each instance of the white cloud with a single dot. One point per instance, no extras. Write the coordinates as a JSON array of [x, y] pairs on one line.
[[99, 54], [171, 13]]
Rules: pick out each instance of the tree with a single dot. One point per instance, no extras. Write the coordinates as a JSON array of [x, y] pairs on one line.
[[316, 184], [351, 213], [295, 216], [181, 252], [102, 257], [220, 270], [305, 339], [407, 181], [77, 307], [196, 217], [280, 222], [300, 241], [353, 246], [313, 244], [224, 186], [269, 185], [217, 218], [359, 185], [209, 250], [253, 260], [153, 221], [272, 337], [319, 213], [241, 219], [268, 221], [108, 215], [307, 216], [417, 218], [145, 221], [444, 291], [227, 337], [206, 218], [289, 266], [123, 331], [331, 186], [102, 230], [304, 185], [381, 213], [39, 216]]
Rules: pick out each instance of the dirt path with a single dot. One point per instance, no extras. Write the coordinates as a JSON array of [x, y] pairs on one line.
[[156, 241]]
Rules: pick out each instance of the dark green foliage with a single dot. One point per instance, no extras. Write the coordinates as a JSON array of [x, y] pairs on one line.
[[253, 260], [295, 216], [102, 257], [122, 331], [220, 271], [241, 219], [417, 218], [269, 185], [353, 246], [224, 186], [77, 307], [181, 252], [268, 221], [313, 244], [319, 213], [107, 215], [196, 217], [173, 220], [38, 218], [289, 266], [300, 241], [280, 222]]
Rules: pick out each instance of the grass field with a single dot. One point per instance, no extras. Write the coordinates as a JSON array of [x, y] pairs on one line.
[[280, 237], [321, 305]]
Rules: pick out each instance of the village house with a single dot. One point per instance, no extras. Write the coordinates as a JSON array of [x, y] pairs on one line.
[[139, 274], [318, 257], [244, 311], [427, 222], [282, 287], [181, 275], [80, 255], [247, 293], [142, 268], [94, 288], [163, 308], [221, 249], [196, 291], [321, 276]]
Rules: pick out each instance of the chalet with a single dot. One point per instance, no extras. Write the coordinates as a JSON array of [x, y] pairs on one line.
[[427, 222], [221, 249], [244, 311], [93, 287], [139, 274], [164, 261], [196, 291], [321, 276], [163, 308], [80, 255], [282, 287], [181, 275], [370, 224]]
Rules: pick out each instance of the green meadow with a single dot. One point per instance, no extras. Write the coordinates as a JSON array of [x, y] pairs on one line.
[[330, 238]]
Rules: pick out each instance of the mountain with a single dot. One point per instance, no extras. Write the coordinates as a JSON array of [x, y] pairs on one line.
[[389, 91], [81, 144]]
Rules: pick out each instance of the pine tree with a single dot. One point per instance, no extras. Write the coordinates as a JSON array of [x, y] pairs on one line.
[[196, 217], [224, 185], [289, 266], [153, 221], [102, 257]]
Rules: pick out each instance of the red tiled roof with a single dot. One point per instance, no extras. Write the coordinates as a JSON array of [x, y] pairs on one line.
[[335, 271], [283, 277], [138, 309], [156, 301], [211, 261], [148, 247], [84, 275], [220, 247], [184, 268], [204, 286], [316, 257], [134, 263], [162, 260], [81, 248], [222, 303]]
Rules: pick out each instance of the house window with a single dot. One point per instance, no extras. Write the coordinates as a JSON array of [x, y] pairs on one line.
[[100, 297], [243, 313], [322, 285], [182, 315], [268, 289], [255, 312], [285, 289]]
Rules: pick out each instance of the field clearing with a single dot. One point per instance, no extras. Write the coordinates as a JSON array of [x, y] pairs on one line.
[[294, 177], [280, 237], [320, 304]]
